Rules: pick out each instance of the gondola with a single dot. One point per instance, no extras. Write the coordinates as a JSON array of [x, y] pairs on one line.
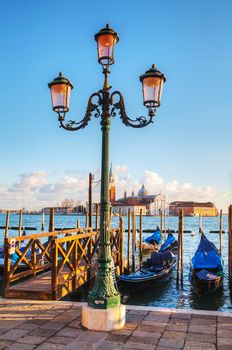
[[153, 242], [206, 268], [155, 269]]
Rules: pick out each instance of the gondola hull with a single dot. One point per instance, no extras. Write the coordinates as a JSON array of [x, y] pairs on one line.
[[143, 279], [205, 286]]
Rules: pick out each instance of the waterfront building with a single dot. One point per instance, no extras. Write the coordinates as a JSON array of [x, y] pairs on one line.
[[193, 208], [150, 204]]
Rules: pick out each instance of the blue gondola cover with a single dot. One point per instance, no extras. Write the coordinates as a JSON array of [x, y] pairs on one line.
[[207, 256], [170, 239], [155, 237]]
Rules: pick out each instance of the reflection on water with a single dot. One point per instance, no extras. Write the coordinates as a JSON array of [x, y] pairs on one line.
[[164, 294]]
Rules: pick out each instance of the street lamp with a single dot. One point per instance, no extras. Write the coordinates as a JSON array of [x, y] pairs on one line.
[[105, 105]]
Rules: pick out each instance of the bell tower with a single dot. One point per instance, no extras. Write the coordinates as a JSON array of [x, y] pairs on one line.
[[112, 187]]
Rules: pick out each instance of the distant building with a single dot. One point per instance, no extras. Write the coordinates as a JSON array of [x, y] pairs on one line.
[[193, 208], [150, 204]]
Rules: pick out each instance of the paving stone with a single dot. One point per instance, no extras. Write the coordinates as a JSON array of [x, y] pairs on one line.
[[50, 346], [138, 312], [4, 343], [169, 343], [176, 328], [13, 334], [139, 346], [53, 325], [153, 323], [209, 317], [161, 313], [60, 340], [81, 345], [134, 318], [226, 326], [5, 324], [117, 338], [195, 345], [130, 326], [47, 333], [75, 324], [146, 334], [201, 337], [29, 325], [122, 332], [203, 321], [157, 328], [224, 347], [20, 346], [144, 340], [174, 335], [202, 329], [180, 315], [158, 318], [93, 336], [224, 333], [107, 345], [179, 321], [2, 331], [69, 332], [224, 341], [224, 319], [32, 339]]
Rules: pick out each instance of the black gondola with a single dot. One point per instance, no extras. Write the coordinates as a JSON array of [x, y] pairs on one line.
[[206, 268], [154, 270]]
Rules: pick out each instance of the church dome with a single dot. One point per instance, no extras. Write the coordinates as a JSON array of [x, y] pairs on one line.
[[142, 192]]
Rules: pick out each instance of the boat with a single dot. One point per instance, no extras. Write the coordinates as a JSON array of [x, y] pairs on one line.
[[153, 242], [206, 270], [170, 244], [155, 269]]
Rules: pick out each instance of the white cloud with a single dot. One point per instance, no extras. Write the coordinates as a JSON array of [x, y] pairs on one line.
[[39, 189]]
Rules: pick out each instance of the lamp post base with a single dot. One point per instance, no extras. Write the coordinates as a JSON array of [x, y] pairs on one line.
[[104, 320]]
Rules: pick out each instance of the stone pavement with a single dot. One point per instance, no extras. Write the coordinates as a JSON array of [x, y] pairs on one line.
[[57, 325]]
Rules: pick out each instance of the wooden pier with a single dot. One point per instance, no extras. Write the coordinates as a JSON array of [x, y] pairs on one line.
[[51, 265]]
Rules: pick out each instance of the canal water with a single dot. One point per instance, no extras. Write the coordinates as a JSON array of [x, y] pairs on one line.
[[165, 294]]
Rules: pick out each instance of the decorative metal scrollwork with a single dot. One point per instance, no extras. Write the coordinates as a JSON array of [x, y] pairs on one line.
[[72, 125], [139, 122]]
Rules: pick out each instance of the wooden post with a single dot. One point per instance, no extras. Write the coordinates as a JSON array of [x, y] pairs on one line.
[[164, 221], [121, 228], [110, 216], [200, 224], [161, 222], [230, 243], [20, 222], [133, 240], [54, 269], [51, 220], [96, 220], [86, 220], [128, 241], [90, 199], [180, 248], [78, 223], [220, 231], [7, 223], [140, 237], [42, 224]]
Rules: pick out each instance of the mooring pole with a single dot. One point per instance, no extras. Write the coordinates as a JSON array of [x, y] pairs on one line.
[[42, 224], [7, 223], [133, 240], [90, 199], [51, 220], [20, 224], [200, 224], [78, 223], [220, 231], [96, 217], [140, 237], [128, 240], [161, 222], [164, 220], [180, 248], [86, 220], [121, 227], [230, 243]]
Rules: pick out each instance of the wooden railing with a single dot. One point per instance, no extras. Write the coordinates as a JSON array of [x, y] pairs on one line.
[[68, 254]]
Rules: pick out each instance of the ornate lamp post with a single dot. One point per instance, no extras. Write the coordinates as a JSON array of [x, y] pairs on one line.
[[104, 104]]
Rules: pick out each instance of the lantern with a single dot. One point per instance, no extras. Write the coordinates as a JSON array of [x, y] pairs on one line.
[[106, 39], [152, 82], [60, 92]]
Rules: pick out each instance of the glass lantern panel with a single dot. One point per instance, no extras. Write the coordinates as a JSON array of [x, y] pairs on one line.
[[106, 48], [152, 88], [60, 97]]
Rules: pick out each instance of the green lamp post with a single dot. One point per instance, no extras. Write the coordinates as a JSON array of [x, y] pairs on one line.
[[102, 104]]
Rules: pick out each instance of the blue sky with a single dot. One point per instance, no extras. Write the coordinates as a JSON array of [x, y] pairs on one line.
[[186, 152]]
